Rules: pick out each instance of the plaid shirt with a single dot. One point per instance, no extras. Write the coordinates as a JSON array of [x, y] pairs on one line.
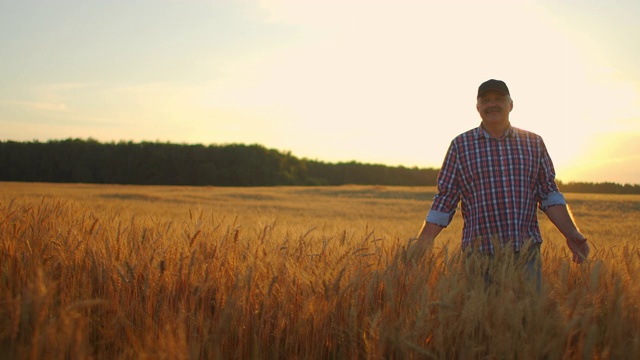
[[501, 183]]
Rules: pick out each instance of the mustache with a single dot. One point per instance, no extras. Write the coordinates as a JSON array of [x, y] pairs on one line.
[[493, 109]]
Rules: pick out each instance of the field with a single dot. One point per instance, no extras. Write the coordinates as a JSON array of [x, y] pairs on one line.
[[134, 272]]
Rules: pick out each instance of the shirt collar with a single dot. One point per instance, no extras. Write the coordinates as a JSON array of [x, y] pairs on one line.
[[481, 132]]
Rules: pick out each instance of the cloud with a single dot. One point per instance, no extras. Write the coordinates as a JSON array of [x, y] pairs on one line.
[[47, 97], [38, 105]]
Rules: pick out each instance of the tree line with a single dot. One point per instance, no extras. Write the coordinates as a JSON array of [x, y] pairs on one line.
[[157, 163], [603, 187]]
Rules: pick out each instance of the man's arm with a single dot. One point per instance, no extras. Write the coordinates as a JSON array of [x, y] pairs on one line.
[[424, 241], [561, 218], [552, 202], [442, 209]]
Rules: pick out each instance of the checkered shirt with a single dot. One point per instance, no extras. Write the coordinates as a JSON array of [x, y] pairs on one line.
[[500, 183]]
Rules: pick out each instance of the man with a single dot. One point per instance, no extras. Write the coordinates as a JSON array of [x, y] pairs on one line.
[[501, 175]]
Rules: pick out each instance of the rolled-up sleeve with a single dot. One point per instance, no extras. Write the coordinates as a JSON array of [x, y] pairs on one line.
[[439, 218], [554, 198], [446, 200], [547, 192]]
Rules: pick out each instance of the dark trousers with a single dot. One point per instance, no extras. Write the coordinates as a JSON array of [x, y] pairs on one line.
[[528, 260]]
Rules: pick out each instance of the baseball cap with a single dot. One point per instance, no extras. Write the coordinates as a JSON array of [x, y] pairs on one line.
[[493, 84]]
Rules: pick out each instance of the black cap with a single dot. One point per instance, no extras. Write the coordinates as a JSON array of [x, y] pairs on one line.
[[493, 84]]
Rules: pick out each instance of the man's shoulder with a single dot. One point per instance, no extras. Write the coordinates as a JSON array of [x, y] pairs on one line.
[[517, 132], [476, 133], [469, 134]]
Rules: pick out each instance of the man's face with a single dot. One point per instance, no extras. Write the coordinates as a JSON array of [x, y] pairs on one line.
[[494, 107]]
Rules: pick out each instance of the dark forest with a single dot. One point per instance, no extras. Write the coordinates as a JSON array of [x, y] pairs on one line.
[[157, 163]]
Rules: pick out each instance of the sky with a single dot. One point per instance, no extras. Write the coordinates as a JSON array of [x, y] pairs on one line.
[[384, 82]]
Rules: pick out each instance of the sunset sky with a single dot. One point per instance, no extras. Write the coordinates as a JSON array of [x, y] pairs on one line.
[[386, 82]]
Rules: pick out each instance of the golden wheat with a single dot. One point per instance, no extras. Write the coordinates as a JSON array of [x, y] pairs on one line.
[[90, 271]]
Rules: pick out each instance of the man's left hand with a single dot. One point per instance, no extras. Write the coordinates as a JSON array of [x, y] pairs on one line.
[[579, 247]]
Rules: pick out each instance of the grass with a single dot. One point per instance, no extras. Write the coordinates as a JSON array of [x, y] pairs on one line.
[[105, 272]]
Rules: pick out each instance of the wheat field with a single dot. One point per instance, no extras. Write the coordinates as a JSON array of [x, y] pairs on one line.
[[141, 272]]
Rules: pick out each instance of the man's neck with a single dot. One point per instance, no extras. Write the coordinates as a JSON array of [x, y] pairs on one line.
[[496, 130]]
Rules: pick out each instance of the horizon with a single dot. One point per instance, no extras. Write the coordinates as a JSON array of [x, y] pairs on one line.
[[301, 157], [373, 82]]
